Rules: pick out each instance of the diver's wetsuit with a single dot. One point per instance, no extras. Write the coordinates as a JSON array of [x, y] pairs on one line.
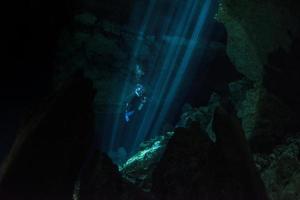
[[137, 101], [135, 104]]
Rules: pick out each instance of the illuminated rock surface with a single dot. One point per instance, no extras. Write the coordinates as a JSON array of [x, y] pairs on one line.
[[138, 169]]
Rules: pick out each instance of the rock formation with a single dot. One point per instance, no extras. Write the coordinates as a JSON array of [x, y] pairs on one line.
[[51, 146], [102, 180], [193, 167]]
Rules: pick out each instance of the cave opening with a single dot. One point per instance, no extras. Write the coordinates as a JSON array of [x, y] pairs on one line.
[[150, 99]]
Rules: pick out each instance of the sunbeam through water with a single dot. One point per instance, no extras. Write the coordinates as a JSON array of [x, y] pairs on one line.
[[159, 85]]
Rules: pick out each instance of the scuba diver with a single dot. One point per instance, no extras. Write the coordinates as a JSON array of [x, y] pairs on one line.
[[137, 101]]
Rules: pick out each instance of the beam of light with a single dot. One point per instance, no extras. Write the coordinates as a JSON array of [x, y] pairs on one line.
[[171, 65], [171, 94], [151, 122], [146, 21], [168, 67]]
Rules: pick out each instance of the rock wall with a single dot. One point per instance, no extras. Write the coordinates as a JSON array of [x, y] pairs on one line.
[[51, 146], [262, 44], [256, 29]]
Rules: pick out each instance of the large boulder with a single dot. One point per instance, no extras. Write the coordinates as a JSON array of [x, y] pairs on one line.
[[193, 167]]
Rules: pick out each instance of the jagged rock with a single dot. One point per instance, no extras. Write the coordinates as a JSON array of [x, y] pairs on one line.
[[102, 180], [257, 28], [271, 123], [264, 116], [245, 97], [193, 167], [263, 45], [51, 147], [138, 169], [202, 115], [281, 170]]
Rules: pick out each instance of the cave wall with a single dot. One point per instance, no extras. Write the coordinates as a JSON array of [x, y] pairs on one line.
[[262, 44], [52, 145], [256, 29], [30, 30]]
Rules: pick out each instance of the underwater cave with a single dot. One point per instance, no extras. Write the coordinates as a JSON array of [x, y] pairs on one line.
[[150, 99]]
